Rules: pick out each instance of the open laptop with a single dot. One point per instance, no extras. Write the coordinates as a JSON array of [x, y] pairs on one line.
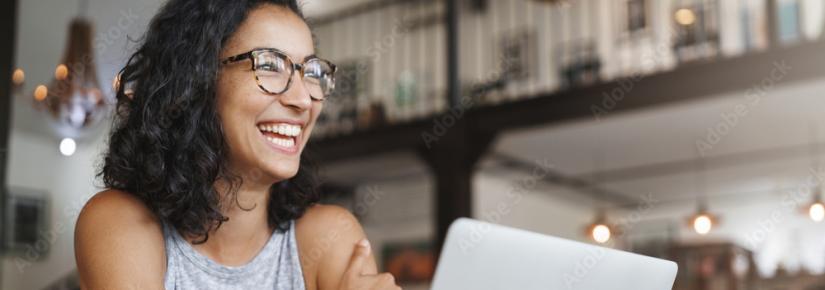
[[483, 256]]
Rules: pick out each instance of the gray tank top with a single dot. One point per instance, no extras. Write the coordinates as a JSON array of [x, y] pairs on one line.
[[277, 266]]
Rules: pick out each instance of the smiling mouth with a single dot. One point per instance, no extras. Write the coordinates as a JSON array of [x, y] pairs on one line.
[[281, 134]]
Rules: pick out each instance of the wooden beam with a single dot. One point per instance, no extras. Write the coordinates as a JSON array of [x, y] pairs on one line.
[[384, 139], [453, 65], [8, 29], [452, 160]]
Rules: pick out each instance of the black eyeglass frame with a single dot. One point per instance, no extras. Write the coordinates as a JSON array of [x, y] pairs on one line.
[[295, 67]]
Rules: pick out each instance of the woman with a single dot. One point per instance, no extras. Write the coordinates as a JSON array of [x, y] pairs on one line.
[[203, 168]]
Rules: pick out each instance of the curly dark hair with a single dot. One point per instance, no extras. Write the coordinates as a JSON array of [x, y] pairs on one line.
[[167, 144]]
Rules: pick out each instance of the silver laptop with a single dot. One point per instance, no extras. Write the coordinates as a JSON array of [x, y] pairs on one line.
[[483, 256]]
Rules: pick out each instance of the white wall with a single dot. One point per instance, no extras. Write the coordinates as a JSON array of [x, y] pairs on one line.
[[523, 201], [69, 181]]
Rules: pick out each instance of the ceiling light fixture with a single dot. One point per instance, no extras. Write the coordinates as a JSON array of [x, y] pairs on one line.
[[702, 222], [600, 230], [685, 17], [816, 209]]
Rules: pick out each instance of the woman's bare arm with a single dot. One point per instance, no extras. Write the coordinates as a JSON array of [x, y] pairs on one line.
[[327, 238], [119, 244]]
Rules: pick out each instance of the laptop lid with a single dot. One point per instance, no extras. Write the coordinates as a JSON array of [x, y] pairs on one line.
[[483, 256]]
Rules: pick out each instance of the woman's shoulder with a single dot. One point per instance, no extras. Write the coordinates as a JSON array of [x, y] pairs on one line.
[[322, 217], [112, 228], [114, 207], [327, 225]]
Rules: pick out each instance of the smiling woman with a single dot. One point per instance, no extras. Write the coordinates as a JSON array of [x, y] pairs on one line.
[[208, 188]]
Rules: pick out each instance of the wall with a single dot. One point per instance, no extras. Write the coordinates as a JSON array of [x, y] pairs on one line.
[[35, 163]]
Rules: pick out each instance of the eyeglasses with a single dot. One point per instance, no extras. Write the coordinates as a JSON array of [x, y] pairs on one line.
[[274, 69]]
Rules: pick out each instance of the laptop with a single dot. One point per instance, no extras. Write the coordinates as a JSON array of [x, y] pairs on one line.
[[483, 256]]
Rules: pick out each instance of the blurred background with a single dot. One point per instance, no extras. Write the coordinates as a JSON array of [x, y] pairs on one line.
[[690, 130]]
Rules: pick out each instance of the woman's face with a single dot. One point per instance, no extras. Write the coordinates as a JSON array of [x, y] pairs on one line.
[[249, 115]]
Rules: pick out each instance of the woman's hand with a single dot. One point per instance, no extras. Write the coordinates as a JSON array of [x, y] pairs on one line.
[[356, 278]]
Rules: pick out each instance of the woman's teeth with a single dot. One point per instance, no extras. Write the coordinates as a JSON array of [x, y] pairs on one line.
[[287, 133], [283, 129], [281, 142]]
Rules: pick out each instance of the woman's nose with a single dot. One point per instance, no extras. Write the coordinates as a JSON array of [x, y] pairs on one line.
[[297, 96]]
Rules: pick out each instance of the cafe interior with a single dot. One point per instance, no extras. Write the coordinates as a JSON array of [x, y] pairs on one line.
[[687, 130]]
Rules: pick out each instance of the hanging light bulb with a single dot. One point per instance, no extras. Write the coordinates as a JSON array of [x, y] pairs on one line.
[[702, 224], [685, 16], [18, 77], [601, 234], [600, 231], [816, 209], [40, 93], [67, 147], [702, 221], [61, 72]]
